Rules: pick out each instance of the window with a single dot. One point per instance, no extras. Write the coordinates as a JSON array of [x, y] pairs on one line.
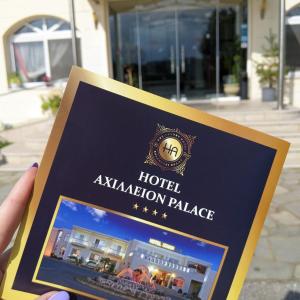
[[116, 249], [75, 252], [41, 50], [141, 250], [174, 261], [79, 236], [94, 257], [99, 244], [293, 38], [67, 237], [59, 236], [62, 251], [199, 268]]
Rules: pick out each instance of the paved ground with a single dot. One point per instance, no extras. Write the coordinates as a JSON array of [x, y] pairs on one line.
[[67, 274], [275, 268]]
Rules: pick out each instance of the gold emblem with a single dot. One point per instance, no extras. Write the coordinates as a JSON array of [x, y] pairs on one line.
[[170, 149]]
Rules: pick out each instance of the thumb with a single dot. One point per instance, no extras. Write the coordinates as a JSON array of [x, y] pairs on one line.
[[55, 296]]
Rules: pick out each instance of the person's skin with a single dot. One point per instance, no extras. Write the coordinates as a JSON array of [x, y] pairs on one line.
[[11, 212]]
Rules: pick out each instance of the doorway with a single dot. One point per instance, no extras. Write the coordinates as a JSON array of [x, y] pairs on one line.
[[194, 289], [181, 50]]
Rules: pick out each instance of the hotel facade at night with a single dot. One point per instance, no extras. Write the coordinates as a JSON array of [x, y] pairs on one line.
[[168, 268]]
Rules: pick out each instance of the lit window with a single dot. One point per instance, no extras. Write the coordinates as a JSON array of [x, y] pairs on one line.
[[41, 50], [99, 244], [75, 252], [116, 249]]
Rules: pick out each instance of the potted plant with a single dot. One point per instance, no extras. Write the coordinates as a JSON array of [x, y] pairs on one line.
[[231, 85], [233, 64], [51, 102], [267, 69], [232, 81], [14, 80]]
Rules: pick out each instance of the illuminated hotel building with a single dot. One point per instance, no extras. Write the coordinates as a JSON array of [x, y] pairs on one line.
[[168, 268], [92, 246]]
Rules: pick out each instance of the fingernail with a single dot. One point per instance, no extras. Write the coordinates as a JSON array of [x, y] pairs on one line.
[[60, 296], [35, 165]]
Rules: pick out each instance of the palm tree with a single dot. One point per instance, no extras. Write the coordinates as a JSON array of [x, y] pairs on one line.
[[105, 261]]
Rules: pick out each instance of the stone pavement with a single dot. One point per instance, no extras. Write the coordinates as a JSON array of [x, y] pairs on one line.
[[28, 142], [275, 269]]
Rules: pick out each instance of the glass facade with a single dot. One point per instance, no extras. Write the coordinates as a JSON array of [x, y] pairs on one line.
[[293, 39], [181, 50]]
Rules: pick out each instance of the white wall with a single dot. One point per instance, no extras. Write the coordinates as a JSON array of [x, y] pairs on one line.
[[20, 107], [258, 29], [93, 38], [92, 23], [207, 285]]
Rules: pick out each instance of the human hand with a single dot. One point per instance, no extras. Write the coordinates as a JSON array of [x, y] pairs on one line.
[[11, 212]]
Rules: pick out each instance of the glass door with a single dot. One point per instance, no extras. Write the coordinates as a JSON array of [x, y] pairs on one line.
[[233, 53], [197, 51], [178, 49], [157, 39], [124, 45]]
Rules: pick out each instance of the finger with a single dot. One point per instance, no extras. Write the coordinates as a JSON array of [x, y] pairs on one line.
[[4, 259], [47, 296], [3, 263], [55, 296], [12, 209]]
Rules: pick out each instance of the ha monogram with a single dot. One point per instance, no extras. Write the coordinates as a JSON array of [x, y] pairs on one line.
[[170, 149]]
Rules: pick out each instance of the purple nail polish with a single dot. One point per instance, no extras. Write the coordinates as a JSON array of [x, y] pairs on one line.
[[60, 296], [35, 165]]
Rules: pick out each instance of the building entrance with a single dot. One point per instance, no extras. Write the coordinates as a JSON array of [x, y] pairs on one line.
[[194, 289], [181, 50]]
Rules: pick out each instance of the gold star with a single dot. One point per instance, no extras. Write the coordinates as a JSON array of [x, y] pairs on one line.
[[164, 215], [135, 206], [154, 212], [145, 209]]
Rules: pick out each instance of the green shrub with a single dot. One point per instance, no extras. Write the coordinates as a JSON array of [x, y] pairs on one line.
[[51, 102], [4, 143], [14, 78], [267, 70]]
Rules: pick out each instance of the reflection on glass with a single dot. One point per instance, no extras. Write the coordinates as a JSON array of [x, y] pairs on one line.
[[60, 58], [157, 38], [171, 48], [124, 47], [230, 51], [30, 60], [197, 44]]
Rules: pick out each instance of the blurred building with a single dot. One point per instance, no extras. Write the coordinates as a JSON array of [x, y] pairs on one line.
[[168, 267], [57, 242], [180, 49]]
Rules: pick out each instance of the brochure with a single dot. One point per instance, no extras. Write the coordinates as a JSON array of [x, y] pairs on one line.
[[139, 197]]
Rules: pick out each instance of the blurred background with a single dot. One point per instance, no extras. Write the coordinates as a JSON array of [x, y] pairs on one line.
[[238, 59]]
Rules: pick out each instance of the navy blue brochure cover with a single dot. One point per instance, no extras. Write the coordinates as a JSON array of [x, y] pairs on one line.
[[141, 198]]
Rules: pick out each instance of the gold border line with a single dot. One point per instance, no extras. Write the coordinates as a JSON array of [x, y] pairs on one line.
[[61, 198], [257, 226], [77, 74], [175, 108]]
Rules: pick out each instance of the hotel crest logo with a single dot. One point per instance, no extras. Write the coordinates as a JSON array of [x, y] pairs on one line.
[[170, 149]]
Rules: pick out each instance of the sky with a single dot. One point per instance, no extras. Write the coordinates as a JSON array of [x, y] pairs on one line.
[[71, 213]]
